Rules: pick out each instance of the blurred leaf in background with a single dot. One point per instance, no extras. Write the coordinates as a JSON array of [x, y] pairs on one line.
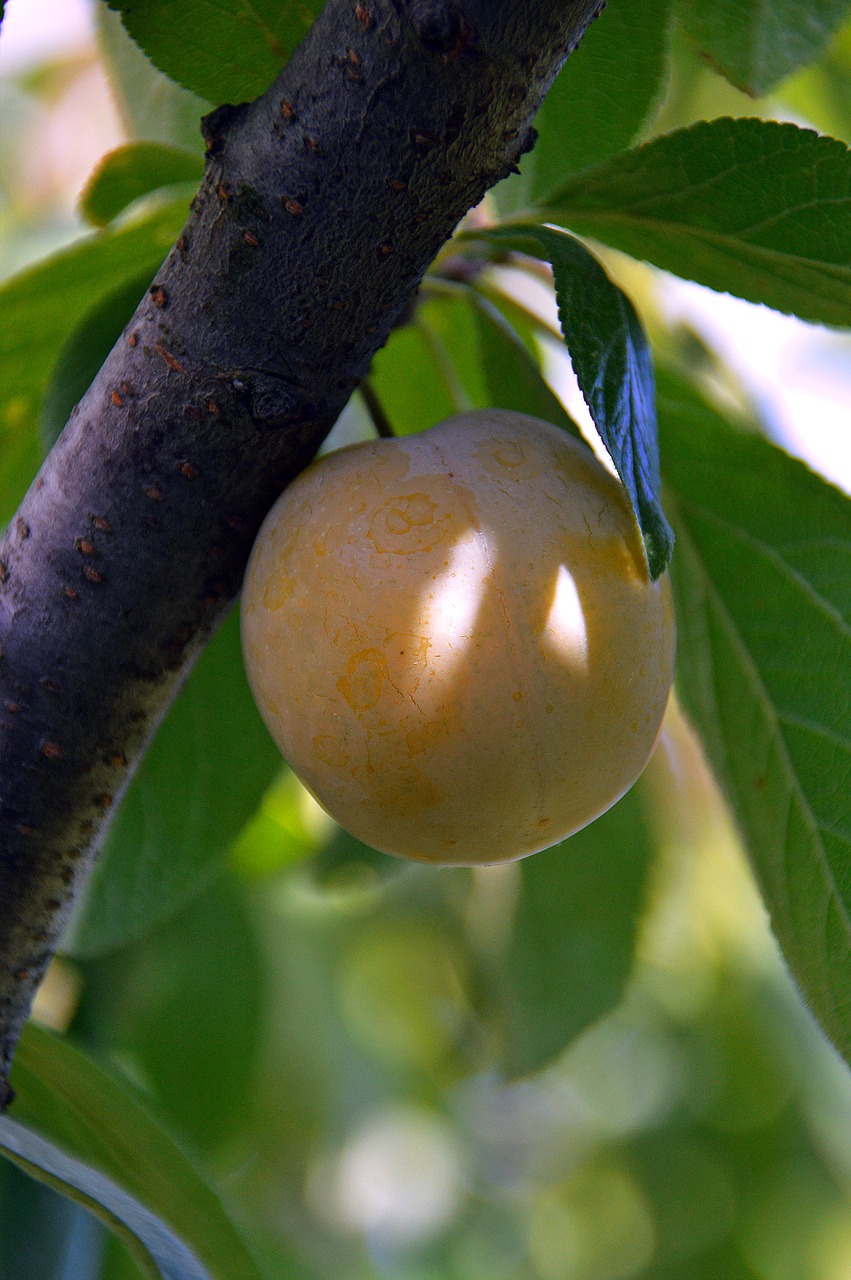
[[200, 782], [41, 310], [755, 46], [133, 171], [76, 1128], [152, 106]]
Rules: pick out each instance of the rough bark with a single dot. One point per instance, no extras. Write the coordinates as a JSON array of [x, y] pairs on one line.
[[322, 205]]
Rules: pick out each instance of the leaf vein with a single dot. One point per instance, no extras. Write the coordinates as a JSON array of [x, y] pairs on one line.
[[750, 667], [771, 554]]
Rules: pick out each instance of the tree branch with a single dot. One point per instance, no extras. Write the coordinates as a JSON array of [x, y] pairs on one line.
[[322, 205]]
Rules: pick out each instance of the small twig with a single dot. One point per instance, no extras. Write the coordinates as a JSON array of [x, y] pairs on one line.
[[375, 409]]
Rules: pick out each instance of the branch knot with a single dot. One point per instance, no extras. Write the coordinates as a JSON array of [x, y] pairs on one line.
[[441, 26]]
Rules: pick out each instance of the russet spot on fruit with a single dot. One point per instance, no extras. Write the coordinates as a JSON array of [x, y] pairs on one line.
[[454, 641]]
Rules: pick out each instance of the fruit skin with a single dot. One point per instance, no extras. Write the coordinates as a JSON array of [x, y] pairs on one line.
[[454, 641]]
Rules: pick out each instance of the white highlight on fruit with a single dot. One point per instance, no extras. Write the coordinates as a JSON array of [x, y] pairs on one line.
[[450, 607], [565, 625]]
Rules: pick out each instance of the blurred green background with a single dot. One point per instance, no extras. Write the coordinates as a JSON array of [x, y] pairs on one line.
[[320, 1025], [360, 1052]]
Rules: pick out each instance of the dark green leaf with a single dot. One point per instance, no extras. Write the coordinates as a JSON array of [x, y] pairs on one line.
[[151, 105], [31, 1211], [755, 44], [200, 1067], [200, 781], [42, 307], [83, 355], [572, 946], [762, 580], [76, 1128], [132, 171], [222, 50], [600, 100], [748, 206], [614, 369]]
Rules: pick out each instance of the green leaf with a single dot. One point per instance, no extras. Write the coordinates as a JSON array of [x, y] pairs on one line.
[[749, 206], [491, 360], [724, 1261], [132, 171], [754, 44], [412, 378], [200, 781], [200, 1067], [84, 353], [762, 581], [572, 946], [42, 307], [599, 102], [614, 368], [222, 50], [513, 378], [820, 93], [151, 105], [75, 1128]]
